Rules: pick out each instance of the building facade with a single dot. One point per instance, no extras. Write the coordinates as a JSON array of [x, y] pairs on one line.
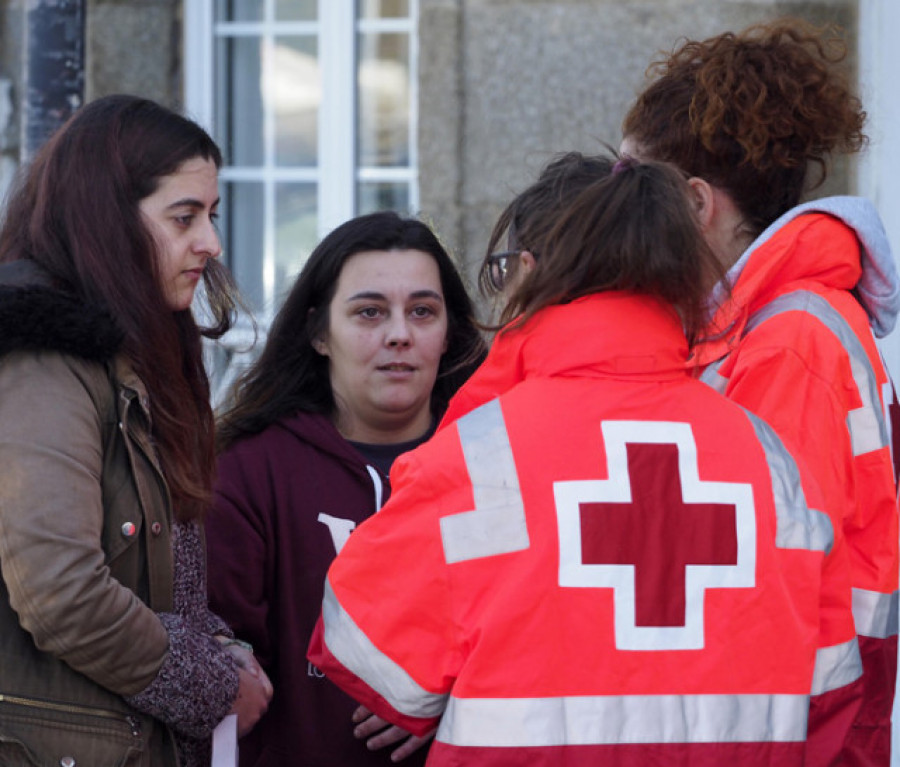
[[443, 108]]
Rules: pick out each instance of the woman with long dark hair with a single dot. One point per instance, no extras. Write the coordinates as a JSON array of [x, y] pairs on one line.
[[108, 652], [375, 336]]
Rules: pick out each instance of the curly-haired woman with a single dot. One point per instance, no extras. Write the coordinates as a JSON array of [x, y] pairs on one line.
[[753, 119]]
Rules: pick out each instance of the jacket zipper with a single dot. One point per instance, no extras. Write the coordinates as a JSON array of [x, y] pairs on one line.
[[132, 721]]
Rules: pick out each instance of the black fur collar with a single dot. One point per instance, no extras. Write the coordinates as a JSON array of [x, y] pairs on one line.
[[37, 317]]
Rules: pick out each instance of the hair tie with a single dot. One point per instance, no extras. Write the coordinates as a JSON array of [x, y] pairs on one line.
[[623, 163]]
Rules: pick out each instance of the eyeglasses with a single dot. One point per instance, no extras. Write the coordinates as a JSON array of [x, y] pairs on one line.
[[498, 267]]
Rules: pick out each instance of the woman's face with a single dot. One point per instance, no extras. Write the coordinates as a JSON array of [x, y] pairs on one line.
[[387, 331], [180, 215]]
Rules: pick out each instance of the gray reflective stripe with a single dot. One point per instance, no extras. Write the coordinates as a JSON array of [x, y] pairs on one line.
[[875, 613], [357, 654], [711, 377], [497, 525], [609, 720], [867, 426], [836, 667], [798, 526]]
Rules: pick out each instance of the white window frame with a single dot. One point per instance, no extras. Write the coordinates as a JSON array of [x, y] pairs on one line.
[[336, 174]]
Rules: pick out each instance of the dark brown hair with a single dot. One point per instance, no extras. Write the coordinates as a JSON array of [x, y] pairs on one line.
[[290, 376], [751, 113], [634, 230], [76, 213], [529, 217]]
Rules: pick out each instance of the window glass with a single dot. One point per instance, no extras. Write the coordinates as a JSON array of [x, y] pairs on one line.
[[242, 206], [383, 9], [375, 196], [239, 112], [295, 88], [383, 99], [238, 10], [295, 231], [296, 10]]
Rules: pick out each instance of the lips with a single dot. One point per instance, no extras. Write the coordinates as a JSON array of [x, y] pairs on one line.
[[397, 367]]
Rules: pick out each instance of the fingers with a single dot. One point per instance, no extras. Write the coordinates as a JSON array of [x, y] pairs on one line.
[[369, 726], [379, 733], [412, 744], [246, 660], [251, 702], [360, 714]]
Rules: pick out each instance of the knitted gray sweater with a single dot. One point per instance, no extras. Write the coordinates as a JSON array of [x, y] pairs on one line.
[[198, 681]]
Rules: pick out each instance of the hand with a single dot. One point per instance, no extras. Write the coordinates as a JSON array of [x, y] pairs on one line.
[[254, 688], [367, 724], [252, 700], [245, 659]]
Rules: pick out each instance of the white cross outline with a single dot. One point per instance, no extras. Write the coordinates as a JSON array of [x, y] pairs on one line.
[[621, 578]]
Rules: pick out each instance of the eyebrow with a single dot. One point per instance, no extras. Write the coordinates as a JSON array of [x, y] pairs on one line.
[[190, 202], [374, 295]]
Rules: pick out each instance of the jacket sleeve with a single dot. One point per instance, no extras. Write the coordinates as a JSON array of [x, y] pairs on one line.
[[237, 554], [387, 635], [808, 410], [51, 520]]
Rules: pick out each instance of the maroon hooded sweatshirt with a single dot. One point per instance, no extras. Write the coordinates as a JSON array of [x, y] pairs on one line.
[[286, 500]]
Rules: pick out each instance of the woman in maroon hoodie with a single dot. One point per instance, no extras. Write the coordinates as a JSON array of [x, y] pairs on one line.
[[375, 336]]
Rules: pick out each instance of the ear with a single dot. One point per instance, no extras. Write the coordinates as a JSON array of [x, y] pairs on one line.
[[527, 261], [320, 346], [703, 197]]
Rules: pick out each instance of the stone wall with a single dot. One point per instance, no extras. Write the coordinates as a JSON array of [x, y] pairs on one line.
[[135, 46], [506, 84]]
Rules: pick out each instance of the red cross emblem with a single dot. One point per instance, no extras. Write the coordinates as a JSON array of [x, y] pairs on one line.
[[656, 534]]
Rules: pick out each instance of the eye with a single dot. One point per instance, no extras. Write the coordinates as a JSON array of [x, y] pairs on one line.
[[185, 220], [369, 312], [423, 311]]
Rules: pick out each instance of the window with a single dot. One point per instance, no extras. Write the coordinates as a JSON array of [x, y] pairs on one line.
[[314, 105]]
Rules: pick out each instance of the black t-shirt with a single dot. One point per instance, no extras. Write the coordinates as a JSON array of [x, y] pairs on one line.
[[382, 456]]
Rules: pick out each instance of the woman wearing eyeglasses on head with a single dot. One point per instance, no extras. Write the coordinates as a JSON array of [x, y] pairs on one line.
[[609, 562]]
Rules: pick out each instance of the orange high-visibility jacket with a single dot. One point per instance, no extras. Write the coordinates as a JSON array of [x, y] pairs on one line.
[[798, 351], [610, 563]]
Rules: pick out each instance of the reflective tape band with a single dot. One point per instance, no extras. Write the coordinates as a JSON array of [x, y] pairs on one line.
[[355, 652], [497, 525], [798, 526], [622, 719], [875, 614], [866, 424], [711, 377], [836, 667]]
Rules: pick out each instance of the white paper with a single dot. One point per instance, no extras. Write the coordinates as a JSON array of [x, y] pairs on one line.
[[224, 746]]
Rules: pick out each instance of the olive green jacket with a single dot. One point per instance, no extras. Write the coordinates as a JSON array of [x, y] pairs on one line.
[[77, 623]]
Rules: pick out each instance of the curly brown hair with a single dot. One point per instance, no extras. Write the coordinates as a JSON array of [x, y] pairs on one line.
[[751, 113]]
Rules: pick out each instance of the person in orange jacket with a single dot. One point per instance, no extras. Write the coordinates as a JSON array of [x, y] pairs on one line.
[[749, 117], [610, 562]]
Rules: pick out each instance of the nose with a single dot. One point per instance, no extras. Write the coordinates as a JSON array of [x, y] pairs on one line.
[[398, 332], [207, 240]]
